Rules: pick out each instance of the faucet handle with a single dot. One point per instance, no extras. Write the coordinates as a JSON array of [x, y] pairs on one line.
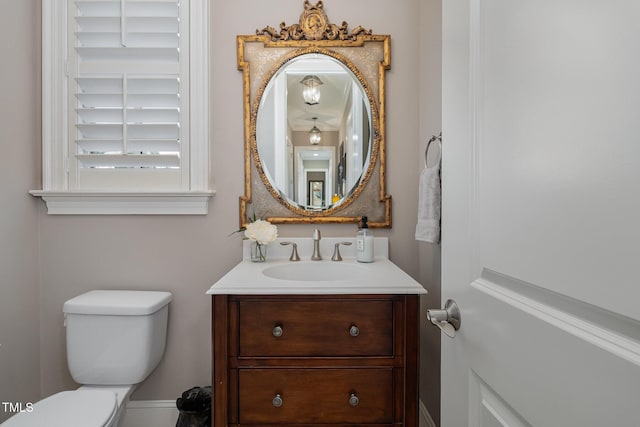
[[294, 253], [336, 252], [316, 246]]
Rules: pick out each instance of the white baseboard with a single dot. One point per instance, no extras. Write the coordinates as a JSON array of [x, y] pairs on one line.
[[150, 413], [425, 417], [163, 413]]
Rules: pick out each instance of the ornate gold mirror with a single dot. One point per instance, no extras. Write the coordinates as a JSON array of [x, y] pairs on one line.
[[314, 122]]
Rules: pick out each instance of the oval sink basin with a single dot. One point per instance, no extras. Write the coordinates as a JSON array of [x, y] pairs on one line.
[[313, 271]]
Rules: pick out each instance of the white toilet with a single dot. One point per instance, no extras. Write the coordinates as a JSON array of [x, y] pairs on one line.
[[115, 339]]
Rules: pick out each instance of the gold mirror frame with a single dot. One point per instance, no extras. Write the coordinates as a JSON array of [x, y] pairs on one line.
[[367, 56]]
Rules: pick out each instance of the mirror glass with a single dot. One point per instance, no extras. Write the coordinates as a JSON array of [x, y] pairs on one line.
[[314, 132]]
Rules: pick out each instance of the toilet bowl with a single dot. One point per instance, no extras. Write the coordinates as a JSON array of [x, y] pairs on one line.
[[115, 339]]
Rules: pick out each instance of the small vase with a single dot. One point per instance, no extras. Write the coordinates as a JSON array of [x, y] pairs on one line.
[[258, 252]]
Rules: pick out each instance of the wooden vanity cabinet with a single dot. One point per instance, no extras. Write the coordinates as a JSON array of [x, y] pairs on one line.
[[315, 360]]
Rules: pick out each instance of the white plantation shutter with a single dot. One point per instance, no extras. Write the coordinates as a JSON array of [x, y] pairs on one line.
[[128, 95], [125, 106]]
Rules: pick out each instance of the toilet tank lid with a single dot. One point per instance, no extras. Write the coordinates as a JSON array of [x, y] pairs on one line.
[[117, 303]]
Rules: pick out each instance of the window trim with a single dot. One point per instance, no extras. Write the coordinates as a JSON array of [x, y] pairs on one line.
[[55, 189]]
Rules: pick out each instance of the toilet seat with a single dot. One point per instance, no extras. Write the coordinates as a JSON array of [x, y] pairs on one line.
[[86, 408]]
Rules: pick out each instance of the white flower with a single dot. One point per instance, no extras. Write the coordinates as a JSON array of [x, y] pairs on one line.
[[261, 231]]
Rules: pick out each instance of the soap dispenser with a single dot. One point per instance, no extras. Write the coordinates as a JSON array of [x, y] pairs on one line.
[[364, 242]]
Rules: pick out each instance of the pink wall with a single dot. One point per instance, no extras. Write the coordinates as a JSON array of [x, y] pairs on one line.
[[185, 254], [19, 166], [429, 254]]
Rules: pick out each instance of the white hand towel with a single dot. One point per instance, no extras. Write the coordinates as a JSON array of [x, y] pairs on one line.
[[429, 204]]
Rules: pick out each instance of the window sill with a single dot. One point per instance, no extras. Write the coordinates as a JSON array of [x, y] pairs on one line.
[[125, 203]]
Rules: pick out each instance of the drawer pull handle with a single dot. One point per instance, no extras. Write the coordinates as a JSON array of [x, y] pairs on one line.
[[354, 331], [277, 401], [353, 400], [277, 331]]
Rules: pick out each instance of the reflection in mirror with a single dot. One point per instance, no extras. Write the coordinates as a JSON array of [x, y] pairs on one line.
[[314, 126]]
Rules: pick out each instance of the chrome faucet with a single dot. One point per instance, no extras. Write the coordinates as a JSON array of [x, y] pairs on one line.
[[316, 246], [336, 251], [294, 253]]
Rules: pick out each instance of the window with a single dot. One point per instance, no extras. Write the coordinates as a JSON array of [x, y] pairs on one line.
[[125, 107]]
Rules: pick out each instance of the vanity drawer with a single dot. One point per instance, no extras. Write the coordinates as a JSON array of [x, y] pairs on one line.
[[316, 328], [307, 396]]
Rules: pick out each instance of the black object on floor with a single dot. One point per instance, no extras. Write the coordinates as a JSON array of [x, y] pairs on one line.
[[195, 407]]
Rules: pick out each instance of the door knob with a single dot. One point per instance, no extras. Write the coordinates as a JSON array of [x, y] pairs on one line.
[[447, 319]]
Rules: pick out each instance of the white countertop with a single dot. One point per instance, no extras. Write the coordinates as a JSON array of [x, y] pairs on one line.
[[379, 277]]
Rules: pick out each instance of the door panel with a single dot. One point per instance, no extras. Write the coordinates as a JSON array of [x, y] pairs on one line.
[[541, 105], [557, 105], [489, 409], [545, 363]]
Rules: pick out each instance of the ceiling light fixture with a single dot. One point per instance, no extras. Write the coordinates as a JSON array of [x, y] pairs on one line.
[[314, 134], [311, 91]]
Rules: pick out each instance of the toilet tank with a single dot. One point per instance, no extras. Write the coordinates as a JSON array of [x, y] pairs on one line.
[[115, 337]]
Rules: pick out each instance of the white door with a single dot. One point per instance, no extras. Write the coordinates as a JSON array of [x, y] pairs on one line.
[[541, 212]]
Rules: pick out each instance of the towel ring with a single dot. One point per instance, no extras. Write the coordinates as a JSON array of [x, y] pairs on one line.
[[426, 150]]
